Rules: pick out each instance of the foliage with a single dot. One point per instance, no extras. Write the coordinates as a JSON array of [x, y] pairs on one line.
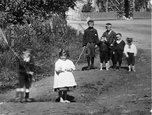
[[21, 11], [45, 42], [87, 7]]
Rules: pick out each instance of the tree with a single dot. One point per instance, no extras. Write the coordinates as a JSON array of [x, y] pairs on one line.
[[16, 11]]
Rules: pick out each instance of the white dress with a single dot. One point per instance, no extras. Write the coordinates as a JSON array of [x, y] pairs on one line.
[[65, 78]]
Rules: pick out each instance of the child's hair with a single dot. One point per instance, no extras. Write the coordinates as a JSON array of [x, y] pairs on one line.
[[129, 40], [119, 34], [63, 52]]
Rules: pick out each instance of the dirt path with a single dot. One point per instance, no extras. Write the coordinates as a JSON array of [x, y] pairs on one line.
[[99, 92]]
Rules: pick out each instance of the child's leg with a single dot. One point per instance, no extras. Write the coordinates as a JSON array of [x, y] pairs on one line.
[[20, 90], [65, 96], [115, 60], [133, 64], [17, 93], [61, 96], [129, 62], [101, 60], [120, 59], [106, 60], [27, 86]]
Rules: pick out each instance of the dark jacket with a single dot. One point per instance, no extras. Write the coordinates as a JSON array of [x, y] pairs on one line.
[[110, 37], [90, 35], [103, 46], [119, 47], [25, 67]]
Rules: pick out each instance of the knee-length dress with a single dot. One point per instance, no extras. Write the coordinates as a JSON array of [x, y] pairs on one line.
[[64, 79]]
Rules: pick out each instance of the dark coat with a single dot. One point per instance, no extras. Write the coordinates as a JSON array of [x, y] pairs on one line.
[[25, 67], [110, 37], [103, 46], [119, 47], [90, 35]]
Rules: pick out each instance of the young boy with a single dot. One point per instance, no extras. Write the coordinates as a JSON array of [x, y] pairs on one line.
[[90, 40], [111, 36], [118, 49], [103, 48], [130, 51], [25, 71]]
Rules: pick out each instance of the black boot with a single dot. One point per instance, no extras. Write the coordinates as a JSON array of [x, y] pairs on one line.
[[92, 63], [114, 67], [88, 61], [21, 97]]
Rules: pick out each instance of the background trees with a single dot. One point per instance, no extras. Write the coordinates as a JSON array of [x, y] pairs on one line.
[[19, 11]]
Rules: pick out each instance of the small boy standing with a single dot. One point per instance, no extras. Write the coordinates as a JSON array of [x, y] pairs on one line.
[[130, 51], [104, 49], [26, 71], [118, 50]]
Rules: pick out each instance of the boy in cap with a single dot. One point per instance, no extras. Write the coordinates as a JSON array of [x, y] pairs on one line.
[[25, 71], [110, 36], [130, 51], [90, 40]]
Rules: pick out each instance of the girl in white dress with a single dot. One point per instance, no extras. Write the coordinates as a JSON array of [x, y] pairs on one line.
[[63, 76]]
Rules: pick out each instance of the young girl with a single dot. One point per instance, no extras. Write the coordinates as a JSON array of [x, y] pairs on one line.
[[130, 51], [103, 48], [63, 77], [26, 71]]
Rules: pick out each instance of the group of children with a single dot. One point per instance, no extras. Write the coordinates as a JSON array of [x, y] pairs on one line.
[[111, 47], [119, 48]]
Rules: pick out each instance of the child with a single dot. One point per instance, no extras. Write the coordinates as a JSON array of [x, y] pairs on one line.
[[103, 48], [118, 49], [26, 66], [90, 40], [63, 78], [130, 51]]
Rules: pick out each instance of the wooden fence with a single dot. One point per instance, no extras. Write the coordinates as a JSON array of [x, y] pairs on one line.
[[106, 16], [141, 15]]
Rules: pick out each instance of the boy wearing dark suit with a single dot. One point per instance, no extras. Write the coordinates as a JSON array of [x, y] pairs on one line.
[[110, 36], [90, 40], [103, 48], [25, 71], [118, 49]]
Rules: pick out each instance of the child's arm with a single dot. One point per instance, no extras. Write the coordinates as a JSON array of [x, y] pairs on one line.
[[125, 51], [71, 67], [135, 50], [58, 68]]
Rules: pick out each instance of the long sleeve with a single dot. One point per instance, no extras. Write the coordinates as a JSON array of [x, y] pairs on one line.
[[135, 49], [131, 49], [125, 50]]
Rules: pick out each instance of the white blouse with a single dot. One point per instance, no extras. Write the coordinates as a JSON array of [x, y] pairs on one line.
[[65, 78], [130, 49]]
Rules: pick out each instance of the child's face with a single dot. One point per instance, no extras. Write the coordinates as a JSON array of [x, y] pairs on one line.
[[91, 24], [118, 37], [108, 27], [63, 57]]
